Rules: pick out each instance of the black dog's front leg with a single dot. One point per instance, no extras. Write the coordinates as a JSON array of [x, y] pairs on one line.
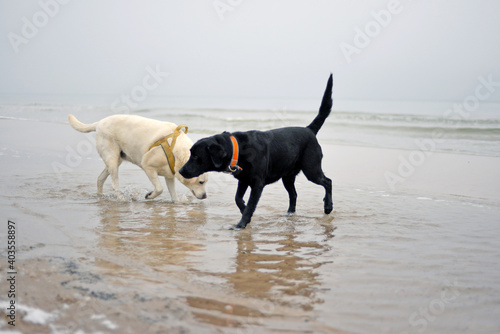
[[250, 208], [242, 188]]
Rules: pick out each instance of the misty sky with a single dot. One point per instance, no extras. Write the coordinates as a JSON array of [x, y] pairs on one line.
[[418, 50]]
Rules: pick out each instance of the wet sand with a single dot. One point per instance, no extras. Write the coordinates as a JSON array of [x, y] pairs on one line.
[[421, 257]]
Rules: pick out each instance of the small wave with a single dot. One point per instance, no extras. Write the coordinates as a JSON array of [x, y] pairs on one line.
[[473, 135], [15, 118]]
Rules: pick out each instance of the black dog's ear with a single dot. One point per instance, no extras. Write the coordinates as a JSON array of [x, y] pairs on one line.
[[217, 154]]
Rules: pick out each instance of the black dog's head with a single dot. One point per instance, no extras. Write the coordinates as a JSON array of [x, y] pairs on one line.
[[207, 154]]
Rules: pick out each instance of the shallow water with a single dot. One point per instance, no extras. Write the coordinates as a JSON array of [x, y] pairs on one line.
[[376, 262], [382, 262]]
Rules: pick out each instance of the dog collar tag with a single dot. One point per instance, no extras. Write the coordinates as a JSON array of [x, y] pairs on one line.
[[235, 170]]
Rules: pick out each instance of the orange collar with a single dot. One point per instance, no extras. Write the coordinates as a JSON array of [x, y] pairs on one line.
[[233, 166], [236, 149]]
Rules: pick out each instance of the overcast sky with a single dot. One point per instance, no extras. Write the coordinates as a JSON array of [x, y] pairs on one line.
[[398, 50]]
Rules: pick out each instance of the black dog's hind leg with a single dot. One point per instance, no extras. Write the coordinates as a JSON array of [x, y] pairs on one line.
[[289, 183], [312, 170], [242, 188], [327, 184], [250, 208], [319, 178]]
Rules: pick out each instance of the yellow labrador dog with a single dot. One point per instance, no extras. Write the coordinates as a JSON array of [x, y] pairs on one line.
[[129, 137]]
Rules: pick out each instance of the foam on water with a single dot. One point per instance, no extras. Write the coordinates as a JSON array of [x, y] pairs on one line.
[[31, 314]]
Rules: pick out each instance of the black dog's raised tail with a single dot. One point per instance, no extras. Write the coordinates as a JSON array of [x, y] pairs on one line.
[[324, 109]]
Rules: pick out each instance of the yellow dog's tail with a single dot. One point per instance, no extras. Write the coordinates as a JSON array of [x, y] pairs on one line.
[[82, 127]]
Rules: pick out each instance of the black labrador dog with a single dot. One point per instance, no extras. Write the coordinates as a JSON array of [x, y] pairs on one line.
[[258, 158]]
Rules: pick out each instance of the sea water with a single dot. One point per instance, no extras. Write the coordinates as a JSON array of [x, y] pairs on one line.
[[395, 262], [452, 126]]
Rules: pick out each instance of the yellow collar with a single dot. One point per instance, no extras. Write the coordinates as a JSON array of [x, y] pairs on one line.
[[168, 148]]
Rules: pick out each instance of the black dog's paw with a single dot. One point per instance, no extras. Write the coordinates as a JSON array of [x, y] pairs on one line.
[[328, 206], [238, 226], [288, 214]]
